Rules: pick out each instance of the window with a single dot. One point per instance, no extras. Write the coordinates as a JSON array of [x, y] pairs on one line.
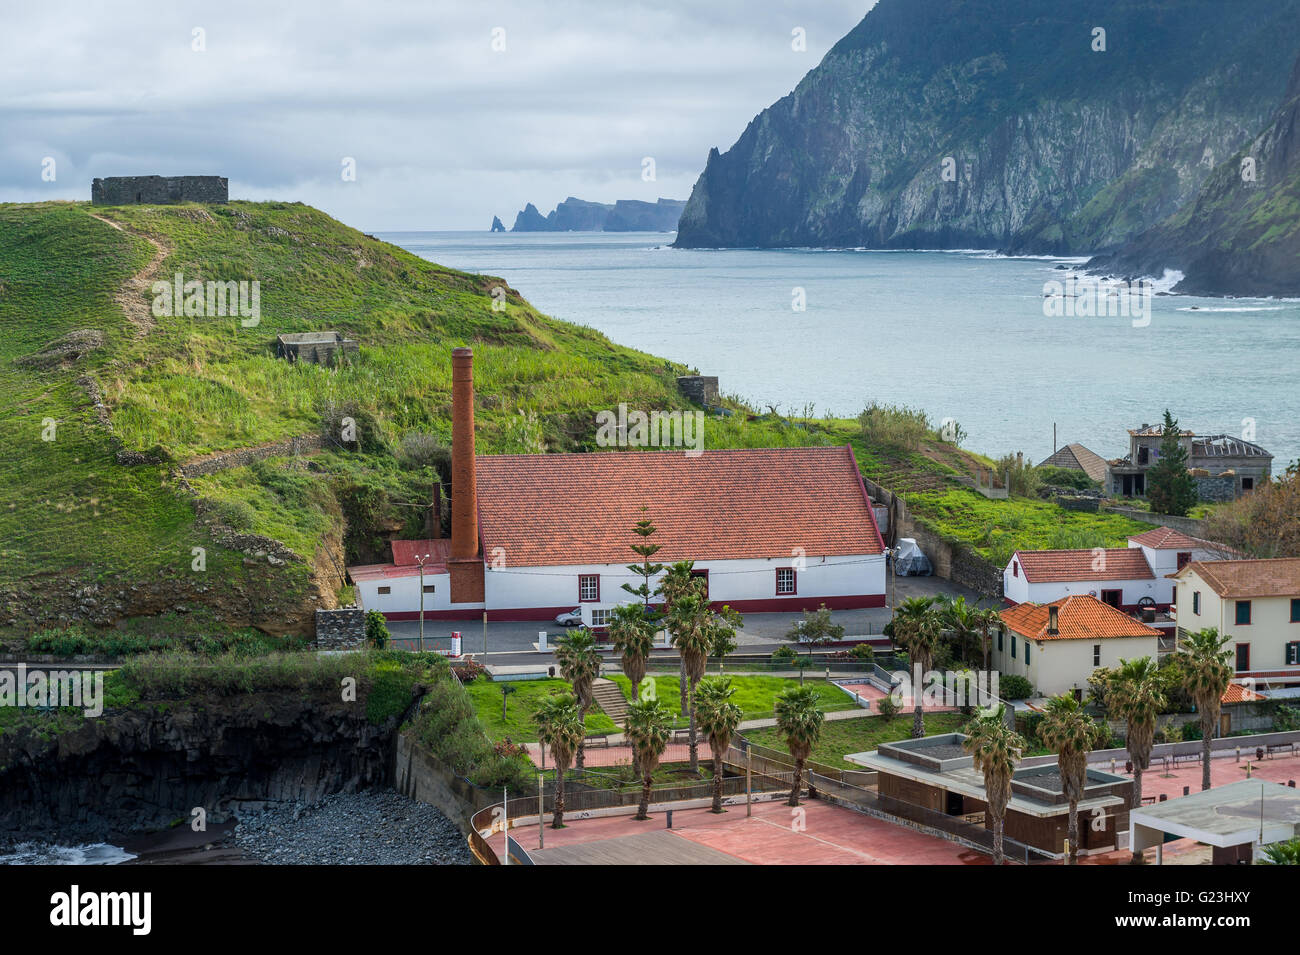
[[1248, 484], [1026, 653], [1096, 654], [385, 590], [1243, 657], [428, 588], [1112, 597], [705, 575], [1013, 646], [784, 581], [599, 617], [1293, 653], [1196, 602], [1184, 558], [1243, 612], [1295, 609], [1000, 633], [1015, 568], [588, 588]]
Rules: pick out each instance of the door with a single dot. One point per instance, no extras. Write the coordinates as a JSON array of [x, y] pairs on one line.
[[1243, 657], [1112, 597]]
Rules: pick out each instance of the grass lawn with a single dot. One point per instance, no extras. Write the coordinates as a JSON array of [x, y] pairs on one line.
[[520, 707], [755, 695]]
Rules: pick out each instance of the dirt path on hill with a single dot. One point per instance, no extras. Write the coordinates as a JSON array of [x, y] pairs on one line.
[[135, 295]]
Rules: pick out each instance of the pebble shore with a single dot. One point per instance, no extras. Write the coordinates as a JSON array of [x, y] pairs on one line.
[[363, 828]]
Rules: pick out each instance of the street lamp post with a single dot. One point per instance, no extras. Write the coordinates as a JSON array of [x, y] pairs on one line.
[[420, 559]]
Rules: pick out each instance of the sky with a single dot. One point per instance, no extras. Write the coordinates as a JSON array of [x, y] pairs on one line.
[[450, 113]]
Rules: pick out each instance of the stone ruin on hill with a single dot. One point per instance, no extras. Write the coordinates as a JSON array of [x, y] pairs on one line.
[[158, 190]]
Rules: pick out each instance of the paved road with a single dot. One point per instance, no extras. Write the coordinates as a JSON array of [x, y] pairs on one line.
[[512, 642]]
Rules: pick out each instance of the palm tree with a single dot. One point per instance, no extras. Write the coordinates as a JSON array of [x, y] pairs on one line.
[[579, 665], [996, 749], [676, 582], [959, 617], [1073, 734], [1134, 694], [1282, 853], [559, 727], [985, 620], [1206, 675], [799, 721], [648, 730], [689, 624], [915, 607], [919, 636], [719, 718], [633, 637]]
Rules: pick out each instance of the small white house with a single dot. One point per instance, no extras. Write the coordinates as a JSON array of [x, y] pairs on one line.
[[1118, 576], [1057, 646], [1168, 551]]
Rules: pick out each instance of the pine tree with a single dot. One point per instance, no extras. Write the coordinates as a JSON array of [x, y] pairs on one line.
[[645, 570], [1170, 487]]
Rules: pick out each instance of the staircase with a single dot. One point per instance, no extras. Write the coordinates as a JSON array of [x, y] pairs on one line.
[[609, 697]]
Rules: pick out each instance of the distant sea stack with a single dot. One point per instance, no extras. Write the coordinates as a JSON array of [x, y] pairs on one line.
[[1029, 127], [497, 224], [625, 215]]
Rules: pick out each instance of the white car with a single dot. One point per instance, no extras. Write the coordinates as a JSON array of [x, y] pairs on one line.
[[572, 618]]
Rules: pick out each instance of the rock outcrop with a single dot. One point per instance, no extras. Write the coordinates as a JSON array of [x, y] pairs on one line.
[[1030, 127], [1241, 234], [625, 215], [146, 769]]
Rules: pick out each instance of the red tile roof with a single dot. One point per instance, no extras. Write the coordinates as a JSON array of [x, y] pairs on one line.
[[1120, 563], [1236, 693], [1079, 617], [556, 509], [1275, 577], [406, 552], [1166, 538]]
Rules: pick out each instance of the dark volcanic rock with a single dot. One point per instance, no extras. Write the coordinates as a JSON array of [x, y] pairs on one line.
[[626, 215]]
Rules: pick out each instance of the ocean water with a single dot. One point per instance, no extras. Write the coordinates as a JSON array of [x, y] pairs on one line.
[[44, 853], [962, 335]]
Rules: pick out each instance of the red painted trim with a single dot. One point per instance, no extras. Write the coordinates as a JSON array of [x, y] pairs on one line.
[[590, 600], [871, 513], [794, 579]]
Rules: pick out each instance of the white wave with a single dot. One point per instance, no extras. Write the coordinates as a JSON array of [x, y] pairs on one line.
[[44, 853], [1233, 308]]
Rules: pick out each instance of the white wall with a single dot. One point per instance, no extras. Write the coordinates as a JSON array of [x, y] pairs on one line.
[[1020, 590], [1057, 666], [1165, 562], [730, 581], [405, 595]]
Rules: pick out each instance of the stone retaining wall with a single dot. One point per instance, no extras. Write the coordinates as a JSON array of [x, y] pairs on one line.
[[241, 457], [342, 629]]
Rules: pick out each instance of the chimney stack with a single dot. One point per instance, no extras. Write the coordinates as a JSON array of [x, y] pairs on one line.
[[1053, 621], [465, 564]]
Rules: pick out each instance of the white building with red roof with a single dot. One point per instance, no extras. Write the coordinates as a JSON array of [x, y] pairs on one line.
[[536, 535], [1168, 551], [1118, 576]]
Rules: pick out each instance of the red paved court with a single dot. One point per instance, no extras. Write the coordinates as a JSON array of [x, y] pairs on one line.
[[1157, 781], [822, 835]]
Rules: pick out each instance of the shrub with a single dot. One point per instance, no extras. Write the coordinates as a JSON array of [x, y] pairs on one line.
[[1014, 687], [1285, 718], [1191, 731], [1066, 477], [895, 426], [783, 654], [377, 634], [864, 652], [887, 706]]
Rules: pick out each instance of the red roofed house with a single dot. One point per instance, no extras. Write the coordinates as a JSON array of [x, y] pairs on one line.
[[393, 588], [1056, 646], [1119, 576], [540, 534], [1168, 551]]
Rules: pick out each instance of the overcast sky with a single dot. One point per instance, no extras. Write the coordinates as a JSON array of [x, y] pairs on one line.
[[445, 130]]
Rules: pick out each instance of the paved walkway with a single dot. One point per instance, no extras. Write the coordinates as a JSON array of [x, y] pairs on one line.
[[817, 833]]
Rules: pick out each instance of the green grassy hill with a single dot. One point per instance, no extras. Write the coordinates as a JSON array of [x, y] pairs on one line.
[[97, 524]]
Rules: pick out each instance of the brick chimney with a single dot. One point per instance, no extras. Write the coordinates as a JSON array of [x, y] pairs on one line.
[[466, 564], [1053, 620]]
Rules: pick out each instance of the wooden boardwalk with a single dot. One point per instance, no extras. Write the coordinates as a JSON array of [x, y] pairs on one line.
[[662, 847]]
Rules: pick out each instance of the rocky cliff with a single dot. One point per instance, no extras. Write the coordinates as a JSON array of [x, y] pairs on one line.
[[144, 769], [1241, 234], [1033, 127], [625, 215]]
